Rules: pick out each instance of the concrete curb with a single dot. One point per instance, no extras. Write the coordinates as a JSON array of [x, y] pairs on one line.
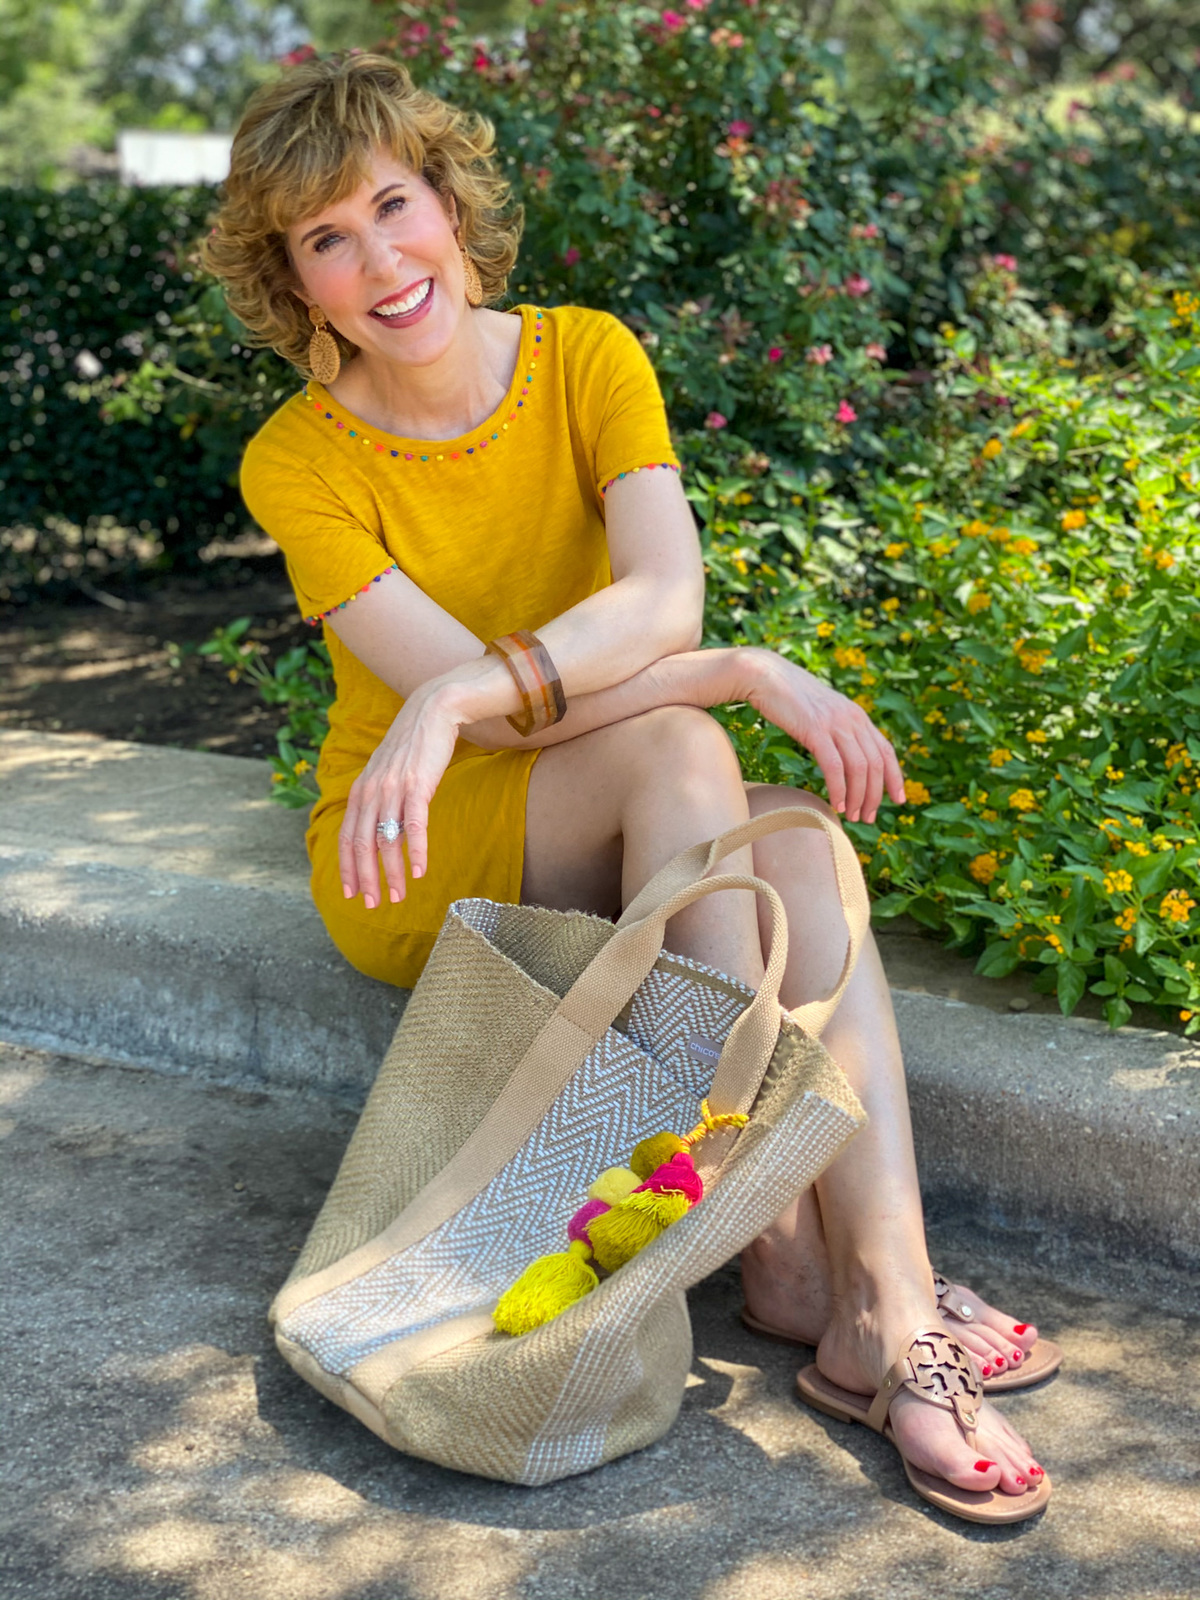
[[154, 909]]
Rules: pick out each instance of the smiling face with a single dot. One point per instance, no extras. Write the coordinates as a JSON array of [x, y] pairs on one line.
[[384, 265]]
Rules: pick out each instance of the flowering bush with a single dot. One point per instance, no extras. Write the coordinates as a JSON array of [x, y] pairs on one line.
[[1018, 603]]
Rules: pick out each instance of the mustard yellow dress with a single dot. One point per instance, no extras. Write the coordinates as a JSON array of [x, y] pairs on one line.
[[504, 529]]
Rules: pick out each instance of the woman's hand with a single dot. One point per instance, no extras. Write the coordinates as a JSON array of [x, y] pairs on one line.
[[856, 760], [398, 782]]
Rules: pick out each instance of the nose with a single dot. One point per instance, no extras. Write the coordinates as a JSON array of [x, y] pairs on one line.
[[380, 256]]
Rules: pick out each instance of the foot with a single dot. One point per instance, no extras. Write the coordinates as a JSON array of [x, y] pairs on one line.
[[994, 1341], [856, 1352]]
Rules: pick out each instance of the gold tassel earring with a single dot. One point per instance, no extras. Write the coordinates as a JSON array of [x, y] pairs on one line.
[[474, 287], [324, 357]]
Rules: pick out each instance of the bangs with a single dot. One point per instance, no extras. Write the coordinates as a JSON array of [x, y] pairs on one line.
[[328, 151]]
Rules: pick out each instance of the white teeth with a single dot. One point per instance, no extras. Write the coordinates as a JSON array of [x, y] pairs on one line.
[[397, 308]]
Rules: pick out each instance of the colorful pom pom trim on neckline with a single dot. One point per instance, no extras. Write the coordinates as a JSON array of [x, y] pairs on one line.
[[431, 454], [342, 604], [669, 465]]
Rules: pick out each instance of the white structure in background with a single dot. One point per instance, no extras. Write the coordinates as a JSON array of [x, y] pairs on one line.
[[149, 156]]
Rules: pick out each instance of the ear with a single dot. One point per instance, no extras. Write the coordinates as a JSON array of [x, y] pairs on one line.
[[451, 208]]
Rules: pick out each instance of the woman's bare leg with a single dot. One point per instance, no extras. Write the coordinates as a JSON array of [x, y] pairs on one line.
[[866, 1228], [604, 812]]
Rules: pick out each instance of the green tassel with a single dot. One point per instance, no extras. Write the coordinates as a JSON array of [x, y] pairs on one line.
[[655, 1152], [619, 1234], [547, 1287]]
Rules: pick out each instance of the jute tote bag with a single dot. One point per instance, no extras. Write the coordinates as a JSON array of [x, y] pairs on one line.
[[537, 1049]]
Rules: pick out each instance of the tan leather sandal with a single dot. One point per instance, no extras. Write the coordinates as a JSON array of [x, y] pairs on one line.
[[1039, 1362], [1044, 1358], [933, 1365]]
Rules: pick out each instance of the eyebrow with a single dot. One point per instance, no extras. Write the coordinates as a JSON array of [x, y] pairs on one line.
[[327, 227]]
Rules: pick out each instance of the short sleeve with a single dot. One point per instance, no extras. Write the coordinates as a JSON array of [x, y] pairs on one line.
[[331, 557], [621, 406]]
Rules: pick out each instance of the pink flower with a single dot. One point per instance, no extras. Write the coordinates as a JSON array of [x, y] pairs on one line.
[[653, 111], [856, 286], [696, 5], [846, 412], [715, 420], [297, 58], [774, 353], [571, 257], [876, 351], [740, 130], [819, 354], [1125, 71], [1009, 263], [736, 41], [865, 230], [672, 21]]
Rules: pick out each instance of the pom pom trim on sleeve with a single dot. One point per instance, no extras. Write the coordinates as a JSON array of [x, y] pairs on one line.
[[669, 465], [320, 616]]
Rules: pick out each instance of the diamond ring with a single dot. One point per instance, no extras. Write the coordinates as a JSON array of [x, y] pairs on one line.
[[389, 830]]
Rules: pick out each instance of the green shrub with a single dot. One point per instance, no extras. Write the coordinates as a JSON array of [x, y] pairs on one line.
[[1016, 599]]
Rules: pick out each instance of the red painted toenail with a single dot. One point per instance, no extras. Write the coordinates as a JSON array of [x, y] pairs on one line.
[[984, 1466], [1018, 1355], [987, 1372], [1000, 1361], [1020, 1327], [1035, 1472], [1021, 1481]]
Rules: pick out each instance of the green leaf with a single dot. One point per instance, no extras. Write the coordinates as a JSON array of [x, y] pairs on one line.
[[1079, 910], [998, 960], [1117, 1013], [889, 905], [1070, 986]]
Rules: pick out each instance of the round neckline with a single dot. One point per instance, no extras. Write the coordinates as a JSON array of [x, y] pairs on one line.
[[480, 436]]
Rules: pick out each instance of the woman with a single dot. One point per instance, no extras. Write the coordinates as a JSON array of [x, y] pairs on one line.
[[463, 474]]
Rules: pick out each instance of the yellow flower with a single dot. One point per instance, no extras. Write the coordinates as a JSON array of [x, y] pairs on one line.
[[991, 449], [233, 674], [1177, 906], [849, 656], [906, 637], [1163, 560], [864, 858], [1055, 943], [1118, 882], [1073, 519], [741, 566], [1185, 1016], [1037, 736], [1178, 755], [942, 547], [1022, 427], [825, 629], [894, 549], [978, 602], [1122, 591], [1000, 757], [302, 767], [1033, 660], [890, 604], [1113, 774], [1126, 919], [1022, 800], [984, 868], [1137, 848], [934, 716], [865, 701], [990, 816], [916, 792], [278, 777]]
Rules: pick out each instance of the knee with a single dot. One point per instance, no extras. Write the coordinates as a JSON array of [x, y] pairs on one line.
[[685, 745], [771, 796]]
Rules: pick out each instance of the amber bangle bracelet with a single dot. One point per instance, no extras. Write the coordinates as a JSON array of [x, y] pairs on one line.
[[535, 675]]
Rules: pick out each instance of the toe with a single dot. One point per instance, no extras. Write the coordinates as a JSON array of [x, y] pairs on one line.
[[1008, 1333]]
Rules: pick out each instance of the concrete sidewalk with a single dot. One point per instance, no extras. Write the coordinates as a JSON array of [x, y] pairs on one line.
[[154, 909], [157, 1448]]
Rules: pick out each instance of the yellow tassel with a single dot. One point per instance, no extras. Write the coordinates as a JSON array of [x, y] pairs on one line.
[[547, 1287], [613, 1185], [619, 1234], [655, 1152]]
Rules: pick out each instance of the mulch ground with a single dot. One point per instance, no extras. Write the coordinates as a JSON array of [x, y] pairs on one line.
[[129, 668]]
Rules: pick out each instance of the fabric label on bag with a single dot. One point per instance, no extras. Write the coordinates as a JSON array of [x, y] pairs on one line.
[[706, 1051]]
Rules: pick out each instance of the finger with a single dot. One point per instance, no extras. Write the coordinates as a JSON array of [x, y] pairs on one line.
[[874, 789], [892, 771], [416, 830], [854, 760], [827, 756], [347, 866], [391, 851], [366, 853]]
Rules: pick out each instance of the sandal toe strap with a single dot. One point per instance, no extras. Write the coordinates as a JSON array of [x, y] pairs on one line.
[[950, 1301], [933, 1365]]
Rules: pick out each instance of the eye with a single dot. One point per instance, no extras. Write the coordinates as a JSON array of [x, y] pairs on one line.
[[326, 240], [393, 206]]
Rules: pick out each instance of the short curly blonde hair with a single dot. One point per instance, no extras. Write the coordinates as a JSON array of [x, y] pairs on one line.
[[305, 142]]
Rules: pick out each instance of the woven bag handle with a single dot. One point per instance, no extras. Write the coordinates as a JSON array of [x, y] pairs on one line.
[[699, 859]]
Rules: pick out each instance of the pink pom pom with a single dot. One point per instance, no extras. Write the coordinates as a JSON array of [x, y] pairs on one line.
[[678, 1175], [578, 1225]]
